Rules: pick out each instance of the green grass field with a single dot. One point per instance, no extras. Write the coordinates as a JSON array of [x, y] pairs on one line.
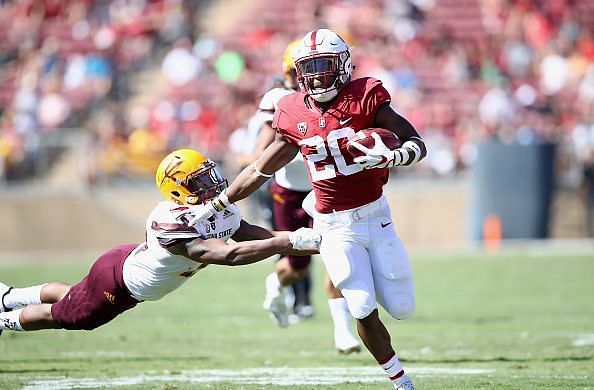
[[511, 321]]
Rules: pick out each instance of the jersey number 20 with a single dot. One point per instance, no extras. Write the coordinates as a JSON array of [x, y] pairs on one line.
[[322, 146]]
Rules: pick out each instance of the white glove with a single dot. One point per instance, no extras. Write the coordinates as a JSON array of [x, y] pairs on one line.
[[200, 212], [377, 157], [305, 239]]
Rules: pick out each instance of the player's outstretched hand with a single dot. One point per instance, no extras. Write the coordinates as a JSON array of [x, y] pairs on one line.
[[377, 157], [201, 212], [305, 239]]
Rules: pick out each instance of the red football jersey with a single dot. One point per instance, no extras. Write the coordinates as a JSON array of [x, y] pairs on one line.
[[338, 182]]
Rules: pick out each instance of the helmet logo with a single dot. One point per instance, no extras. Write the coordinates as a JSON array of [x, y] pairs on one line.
[[302, 127], [170, 173]]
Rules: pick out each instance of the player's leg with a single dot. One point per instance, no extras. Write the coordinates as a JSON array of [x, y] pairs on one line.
[[276, 289], [99, 297], [13, 298], [344, 339], [376, 338], [393, 280], [287, 215], [96, 300], [349, 269], [36, 300], [394, 287], [302, 306], [29, 318], [392, 271]]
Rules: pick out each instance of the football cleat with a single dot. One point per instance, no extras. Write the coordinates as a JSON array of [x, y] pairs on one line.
[[275, 301], [302, 313], [279, 312], [346, 344], [305, 311], [4, 290], [404, 383]]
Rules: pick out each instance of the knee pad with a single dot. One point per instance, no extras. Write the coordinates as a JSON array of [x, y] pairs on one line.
[[360, 303], [401, 306]]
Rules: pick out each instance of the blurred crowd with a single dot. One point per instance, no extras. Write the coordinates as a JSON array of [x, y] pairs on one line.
[[142, 77]]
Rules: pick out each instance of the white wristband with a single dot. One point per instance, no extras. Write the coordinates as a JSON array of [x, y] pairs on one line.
[[261, 173], [221, 202]]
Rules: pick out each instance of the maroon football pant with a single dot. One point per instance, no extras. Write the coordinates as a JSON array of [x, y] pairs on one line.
[[288, 214], [100, 296]]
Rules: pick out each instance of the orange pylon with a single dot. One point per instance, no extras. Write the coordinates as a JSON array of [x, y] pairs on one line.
[[492, 232]]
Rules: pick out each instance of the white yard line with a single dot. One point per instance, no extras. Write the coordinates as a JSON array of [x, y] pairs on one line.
[[584, 341], [282, 376]]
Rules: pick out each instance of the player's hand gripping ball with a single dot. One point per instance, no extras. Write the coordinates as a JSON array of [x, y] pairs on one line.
[[364, 137]]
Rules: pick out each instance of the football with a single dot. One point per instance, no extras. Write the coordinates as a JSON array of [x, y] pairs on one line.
[[364, 138]]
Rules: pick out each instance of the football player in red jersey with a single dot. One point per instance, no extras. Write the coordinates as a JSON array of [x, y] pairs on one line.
[[289, 188], [365, 258], [173, 252]]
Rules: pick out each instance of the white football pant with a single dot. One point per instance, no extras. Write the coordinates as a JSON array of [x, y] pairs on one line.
[[366, 260]]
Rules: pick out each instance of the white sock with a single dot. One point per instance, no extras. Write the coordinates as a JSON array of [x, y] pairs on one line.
[[10, 320], [392, 368], [273, 286], [341, 316], [19, 297]]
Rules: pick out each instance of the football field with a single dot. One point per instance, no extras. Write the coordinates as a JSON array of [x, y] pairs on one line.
[[520, 319]]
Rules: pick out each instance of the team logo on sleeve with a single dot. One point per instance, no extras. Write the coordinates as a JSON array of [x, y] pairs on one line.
[[302, 127]]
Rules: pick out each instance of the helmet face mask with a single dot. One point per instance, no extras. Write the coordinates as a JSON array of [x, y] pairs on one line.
[[319, 74], [323, 64], [188, 177], [205, 184]]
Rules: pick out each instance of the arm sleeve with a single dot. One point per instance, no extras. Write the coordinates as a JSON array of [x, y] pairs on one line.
[[169, 234], [267, 102], [281, 124], [174, 229], [376, 96]]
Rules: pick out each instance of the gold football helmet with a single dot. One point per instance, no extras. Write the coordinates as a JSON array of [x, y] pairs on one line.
[[186, 176], [289, 65]]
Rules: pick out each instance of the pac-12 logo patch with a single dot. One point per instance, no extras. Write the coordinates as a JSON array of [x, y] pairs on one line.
[[302, 127]]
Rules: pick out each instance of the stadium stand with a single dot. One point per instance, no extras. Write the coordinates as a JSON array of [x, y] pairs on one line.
[[143, 78]]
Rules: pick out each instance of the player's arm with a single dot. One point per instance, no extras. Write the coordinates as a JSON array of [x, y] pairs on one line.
[[215, 251], [413, 148], [265, 138], [278, 154], [301, 237]]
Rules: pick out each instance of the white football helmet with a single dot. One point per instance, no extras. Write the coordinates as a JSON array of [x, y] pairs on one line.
[[323, 64]]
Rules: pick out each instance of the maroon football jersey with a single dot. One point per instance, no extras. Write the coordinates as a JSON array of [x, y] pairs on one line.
[[338, 182]]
